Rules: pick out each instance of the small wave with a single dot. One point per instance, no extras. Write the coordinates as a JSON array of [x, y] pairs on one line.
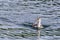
[[5, 19]]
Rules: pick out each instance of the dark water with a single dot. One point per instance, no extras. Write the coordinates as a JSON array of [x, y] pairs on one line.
[[14, 13]]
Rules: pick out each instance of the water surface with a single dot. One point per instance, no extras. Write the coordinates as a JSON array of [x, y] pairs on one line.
[[13, 13]]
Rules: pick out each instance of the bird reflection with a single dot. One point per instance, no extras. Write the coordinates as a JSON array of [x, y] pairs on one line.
[[38, 34]]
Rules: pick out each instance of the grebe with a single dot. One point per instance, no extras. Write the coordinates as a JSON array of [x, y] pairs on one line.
[[38, 24]]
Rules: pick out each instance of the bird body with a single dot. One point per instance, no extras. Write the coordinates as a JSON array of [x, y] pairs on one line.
[[38, 24]]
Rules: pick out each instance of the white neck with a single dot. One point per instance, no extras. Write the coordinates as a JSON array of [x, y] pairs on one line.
[[39, 22]]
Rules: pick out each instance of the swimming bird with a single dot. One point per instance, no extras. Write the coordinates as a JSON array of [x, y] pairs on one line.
[[36, 25]]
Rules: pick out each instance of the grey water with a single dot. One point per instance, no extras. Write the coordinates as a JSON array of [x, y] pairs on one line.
[[14, 13]]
